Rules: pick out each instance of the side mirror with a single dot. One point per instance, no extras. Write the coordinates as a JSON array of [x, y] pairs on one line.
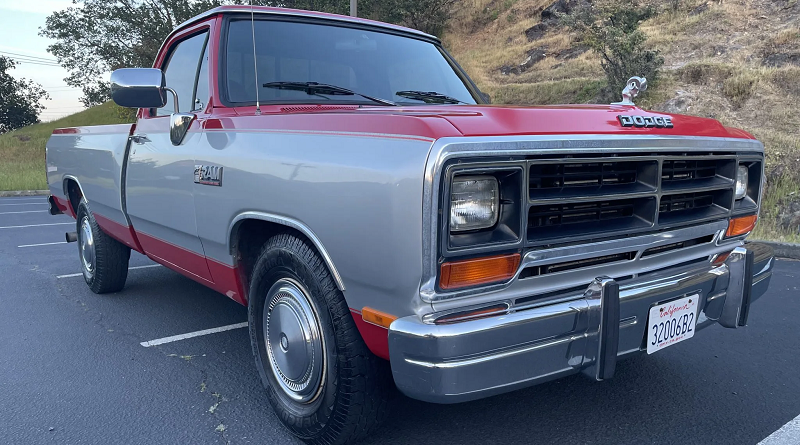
[[147, 88], [139, 88], [485, 96]]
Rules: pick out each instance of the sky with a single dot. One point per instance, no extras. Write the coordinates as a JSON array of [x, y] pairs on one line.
[[20, 21]]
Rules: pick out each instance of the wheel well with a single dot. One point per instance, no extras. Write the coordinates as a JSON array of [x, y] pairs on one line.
[[250, 236], [74, 193]]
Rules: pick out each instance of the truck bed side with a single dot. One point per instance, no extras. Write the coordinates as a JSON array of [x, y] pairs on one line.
[[94, 159]]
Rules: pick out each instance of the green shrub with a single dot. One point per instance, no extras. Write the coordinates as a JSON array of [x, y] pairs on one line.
[[611, 29]]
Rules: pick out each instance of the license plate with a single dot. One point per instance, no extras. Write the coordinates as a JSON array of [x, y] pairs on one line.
[[671, 323]]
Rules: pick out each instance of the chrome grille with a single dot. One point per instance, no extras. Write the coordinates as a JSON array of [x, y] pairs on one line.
[[580, 199]]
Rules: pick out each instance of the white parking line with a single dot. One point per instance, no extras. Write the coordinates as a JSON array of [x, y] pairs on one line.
[[26, 204], [38, 225], [42, 244], [26, 211], [161, 341], [130, 268], [788, 434]]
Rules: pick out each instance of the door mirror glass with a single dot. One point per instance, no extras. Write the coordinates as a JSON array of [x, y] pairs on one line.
[[139, 88], [181, 70]]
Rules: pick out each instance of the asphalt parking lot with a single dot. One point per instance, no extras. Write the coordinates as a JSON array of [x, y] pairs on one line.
[[73, 368]]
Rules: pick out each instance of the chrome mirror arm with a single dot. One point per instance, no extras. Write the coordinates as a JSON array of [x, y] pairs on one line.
[[175, 98]]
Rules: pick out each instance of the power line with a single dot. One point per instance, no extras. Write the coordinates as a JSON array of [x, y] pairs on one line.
[[43, 59], [34, 63], [23, 59]]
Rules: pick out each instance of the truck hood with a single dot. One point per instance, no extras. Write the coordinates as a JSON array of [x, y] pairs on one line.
[[568, 119], [435, 121]]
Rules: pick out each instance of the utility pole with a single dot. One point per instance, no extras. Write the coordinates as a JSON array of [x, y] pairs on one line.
[[354, 8]]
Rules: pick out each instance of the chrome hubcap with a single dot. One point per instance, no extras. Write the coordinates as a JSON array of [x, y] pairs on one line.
[[294, 341], [87, 247]]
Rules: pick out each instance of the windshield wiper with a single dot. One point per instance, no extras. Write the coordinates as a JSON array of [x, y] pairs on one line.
[[429, 97], [314, 88]]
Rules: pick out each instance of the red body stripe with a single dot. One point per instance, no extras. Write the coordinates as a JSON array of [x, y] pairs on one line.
[[376, 337], [119, 232], [64, 205], [71, 130], [220, 277], [187, 260], [228, 280]]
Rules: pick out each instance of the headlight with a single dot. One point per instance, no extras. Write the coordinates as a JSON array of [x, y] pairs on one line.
[[474, 203], [741, 181]]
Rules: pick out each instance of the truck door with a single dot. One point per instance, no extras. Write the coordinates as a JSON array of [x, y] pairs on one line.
[[160, 175]]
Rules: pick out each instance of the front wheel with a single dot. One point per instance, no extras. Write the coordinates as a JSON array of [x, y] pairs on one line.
[[104, 260], [322, 381]]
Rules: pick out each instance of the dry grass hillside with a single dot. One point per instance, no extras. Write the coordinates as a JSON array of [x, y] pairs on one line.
[[733, 60]]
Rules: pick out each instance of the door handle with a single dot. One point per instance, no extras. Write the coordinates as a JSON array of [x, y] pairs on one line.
[[139, 139]]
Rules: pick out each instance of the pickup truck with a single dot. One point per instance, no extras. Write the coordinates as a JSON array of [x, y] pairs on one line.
[[387, 227]]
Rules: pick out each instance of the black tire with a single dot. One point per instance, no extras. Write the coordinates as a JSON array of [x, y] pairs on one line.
[[353, 394], [109, 268]]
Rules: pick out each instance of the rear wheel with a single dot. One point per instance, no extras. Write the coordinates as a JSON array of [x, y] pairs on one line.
[[322, 381], [104, 260]]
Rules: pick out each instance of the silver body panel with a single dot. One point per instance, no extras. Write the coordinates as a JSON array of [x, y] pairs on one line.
[[94, 158], [346, 192], [353, 193], [159, 192]]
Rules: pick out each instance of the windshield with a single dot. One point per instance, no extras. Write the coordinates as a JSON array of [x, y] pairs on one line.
[[366, 62]]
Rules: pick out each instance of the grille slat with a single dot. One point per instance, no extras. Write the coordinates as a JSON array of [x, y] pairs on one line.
[[575, 199], [551, 221], [551, 181]]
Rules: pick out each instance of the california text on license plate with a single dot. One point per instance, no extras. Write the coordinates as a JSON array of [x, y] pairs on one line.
[[671, 323]]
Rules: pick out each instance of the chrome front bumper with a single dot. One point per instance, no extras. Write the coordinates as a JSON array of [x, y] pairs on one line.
[[474, 359]]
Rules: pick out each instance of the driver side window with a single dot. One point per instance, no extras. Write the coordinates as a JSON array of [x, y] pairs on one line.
[[184, 72]]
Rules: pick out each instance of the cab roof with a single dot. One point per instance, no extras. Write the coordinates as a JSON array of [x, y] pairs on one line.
[[265, 10]]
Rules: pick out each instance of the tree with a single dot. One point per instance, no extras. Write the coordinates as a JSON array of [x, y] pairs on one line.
[[100, 36], [103, 35], [19, 99], [428, 16], [611, 29]]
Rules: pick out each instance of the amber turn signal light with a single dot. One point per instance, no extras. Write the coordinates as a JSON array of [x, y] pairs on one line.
[[377, 317], [472, 272], [721, 258], [740, 226]]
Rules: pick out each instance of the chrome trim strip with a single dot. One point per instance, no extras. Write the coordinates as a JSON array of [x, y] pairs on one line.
[[628, 322], [66, 192], [761, 278], [639, 244], [495, 356], [294, 224], [518, 146]]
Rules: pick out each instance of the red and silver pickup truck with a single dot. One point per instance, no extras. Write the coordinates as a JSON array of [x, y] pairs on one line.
[[385, 226]]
